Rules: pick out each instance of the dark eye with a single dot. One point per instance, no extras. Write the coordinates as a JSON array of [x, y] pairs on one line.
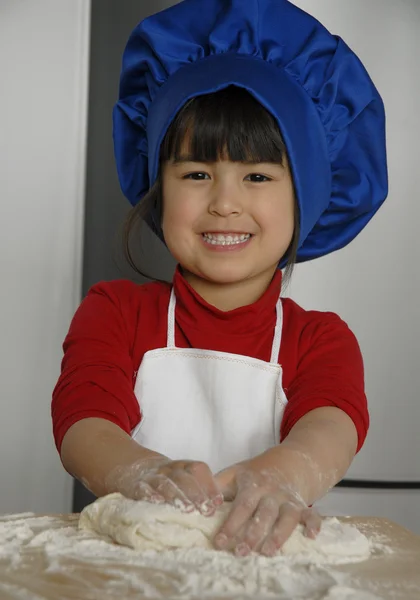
[[258, 178], [197, 176]]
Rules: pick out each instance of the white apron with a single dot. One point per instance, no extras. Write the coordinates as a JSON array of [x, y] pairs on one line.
[[209, 406]]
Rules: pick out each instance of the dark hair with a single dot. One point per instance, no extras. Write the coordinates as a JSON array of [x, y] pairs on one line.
[[230, 123]]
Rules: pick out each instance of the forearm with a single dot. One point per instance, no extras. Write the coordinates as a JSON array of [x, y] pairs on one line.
[[99, 454], [315, 455]]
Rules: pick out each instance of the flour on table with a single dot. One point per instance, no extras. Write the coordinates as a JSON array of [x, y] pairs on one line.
[[37, 553], [145, 526], [339, 592]]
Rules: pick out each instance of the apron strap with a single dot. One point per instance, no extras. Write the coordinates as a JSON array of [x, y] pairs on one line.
[[171, 321], [277, 333]]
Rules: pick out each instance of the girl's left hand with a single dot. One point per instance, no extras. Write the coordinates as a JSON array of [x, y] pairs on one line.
[[265, 511]]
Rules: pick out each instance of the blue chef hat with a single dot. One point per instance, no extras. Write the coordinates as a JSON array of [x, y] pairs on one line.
[[329, 112]]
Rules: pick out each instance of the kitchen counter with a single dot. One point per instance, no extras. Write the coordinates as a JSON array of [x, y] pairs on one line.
[[46, 557]]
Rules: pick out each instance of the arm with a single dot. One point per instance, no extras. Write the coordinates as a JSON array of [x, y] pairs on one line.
[[105, 459], [272, 491], [94, 408], [97, 452], [316, 454], [324, 425]]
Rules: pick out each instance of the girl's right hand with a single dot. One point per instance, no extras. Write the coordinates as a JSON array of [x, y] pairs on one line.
[[186, 484]]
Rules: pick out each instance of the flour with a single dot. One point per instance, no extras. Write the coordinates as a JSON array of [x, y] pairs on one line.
[[142, 525], [19, 516], [345, 593], [12, 536], [16, 593], [182, 574]]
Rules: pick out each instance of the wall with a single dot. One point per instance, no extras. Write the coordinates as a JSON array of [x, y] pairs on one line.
[[44, 50], [106, 208]]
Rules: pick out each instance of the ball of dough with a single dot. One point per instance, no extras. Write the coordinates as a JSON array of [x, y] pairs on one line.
[[143, 526]]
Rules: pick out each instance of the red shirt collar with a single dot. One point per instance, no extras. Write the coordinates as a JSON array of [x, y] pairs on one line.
[[193, 311]]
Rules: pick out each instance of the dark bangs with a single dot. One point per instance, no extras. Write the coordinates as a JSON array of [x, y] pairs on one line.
[[230, 124]]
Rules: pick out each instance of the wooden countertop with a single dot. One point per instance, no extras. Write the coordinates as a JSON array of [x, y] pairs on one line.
[[47, 558]]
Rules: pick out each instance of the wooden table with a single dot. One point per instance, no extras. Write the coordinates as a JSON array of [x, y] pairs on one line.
[[36, 565]]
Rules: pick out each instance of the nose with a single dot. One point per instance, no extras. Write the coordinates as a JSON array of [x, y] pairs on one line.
[[225, 199]]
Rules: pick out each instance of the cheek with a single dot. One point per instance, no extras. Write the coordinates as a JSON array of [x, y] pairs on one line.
[[178, 220], [180, 211], [173, 214], [278, 221]]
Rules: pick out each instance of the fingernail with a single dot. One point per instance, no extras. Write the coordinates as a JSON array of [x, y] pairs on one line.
[[311, 533], [218, 500], [242, 549], [268, 549], [157, 499], [183, 506], [221, 540], [206, 508]]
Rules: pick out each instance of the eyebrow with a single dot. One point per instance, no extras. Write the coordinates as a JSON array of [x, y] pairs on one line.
[[188, 158]]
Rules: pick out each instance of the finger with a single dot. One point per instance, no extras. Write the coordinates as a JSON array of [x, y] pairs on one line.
[[193, 491], [312, 522], [143, 491], [242, 510], [227, 484], [201, 472], [171, 493], [286, 523], [259, 527]]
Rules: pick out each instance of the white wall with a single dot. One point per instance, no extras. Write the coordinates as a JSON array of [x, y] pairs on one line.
[[374, 283], [44, 51]]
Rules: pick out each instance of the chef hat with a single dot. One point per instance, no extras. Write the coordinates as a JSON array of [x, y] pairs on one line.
[[328, 110]]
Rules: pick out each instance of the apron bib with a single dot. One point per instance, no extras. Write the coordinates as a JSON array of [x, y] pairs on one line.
[[209, 406]]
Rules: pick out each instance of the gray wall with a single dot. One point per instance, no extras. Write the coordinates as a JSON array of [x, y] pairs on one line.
[[106, 207]]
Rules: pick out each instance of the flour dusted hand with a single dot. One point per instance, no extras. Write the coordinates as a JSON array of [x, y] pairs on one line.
[[266, 509], [188, 485]]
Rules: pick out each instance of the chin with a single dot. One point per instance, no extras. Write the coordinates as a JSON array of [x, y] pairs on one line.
[[225, 274]]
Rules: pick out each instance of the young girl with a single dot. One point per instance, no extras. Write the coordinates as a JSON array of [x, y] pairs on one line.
[[249, 138]]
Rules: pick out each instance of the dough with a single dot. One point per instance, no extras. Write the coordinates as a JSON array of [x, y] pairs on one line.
[[143, 526]]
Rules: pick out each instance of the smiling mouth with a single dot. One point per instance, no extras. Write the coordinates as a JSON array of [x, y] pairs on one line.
[[230, 239]]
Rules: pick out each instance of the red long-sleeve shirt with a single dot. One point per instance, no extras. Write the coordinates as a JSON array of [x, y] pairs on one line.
[[119, 321]]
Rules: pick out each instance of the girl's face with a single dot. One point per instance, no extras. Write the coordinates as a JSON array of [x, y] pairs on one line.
[[227, 222]]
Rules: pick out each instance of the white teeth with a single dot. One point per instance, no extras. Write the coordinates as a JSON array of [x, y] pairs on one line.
[[225, 240]]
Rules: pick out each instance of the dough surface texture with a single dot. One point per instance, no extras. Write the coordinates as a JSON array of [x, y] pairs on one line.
[[145, 526]]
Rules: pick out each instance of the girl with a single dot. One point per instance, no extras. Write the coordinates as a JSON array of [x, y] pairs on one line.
[[249, 138]]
